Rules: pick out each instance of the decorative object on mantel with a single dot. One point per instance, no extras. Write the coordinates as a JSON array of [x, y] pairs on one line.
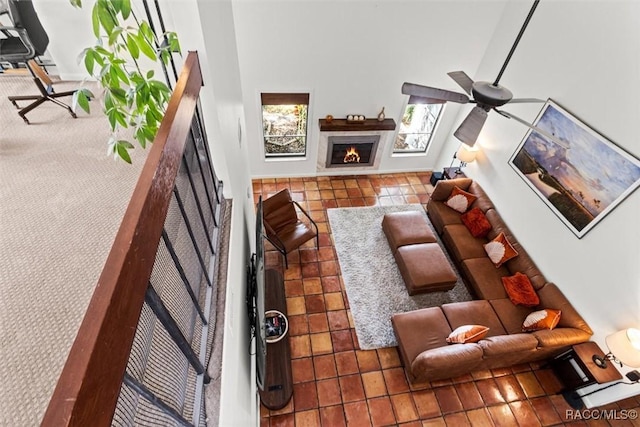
[[381, 115], [582, 182], [355, 118], [343, 125], [329, 118]]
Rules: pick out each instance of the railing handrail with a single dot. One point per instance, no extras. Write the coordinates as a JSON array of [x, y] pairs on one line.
[[89, 385]]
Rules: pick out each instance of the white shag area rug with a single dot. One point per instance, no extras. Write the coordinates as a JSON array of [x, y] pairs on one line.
[[371, 277]]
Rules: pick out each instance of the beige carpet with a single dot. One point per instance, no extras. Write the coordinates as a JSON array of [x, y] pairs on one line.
[[61, 202]]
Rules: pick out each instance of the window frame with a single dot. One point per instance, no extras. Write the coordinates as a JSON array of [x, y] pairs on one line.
[[284, 98], [416, 100]]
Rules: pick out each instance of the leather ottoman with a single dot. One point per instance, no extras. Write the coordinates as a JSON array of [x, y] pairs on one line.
[[425, 268], [406, 228]]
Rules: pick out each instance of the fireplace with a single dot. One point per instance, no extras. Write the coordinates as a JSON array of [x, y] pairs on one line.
[[350, 151]]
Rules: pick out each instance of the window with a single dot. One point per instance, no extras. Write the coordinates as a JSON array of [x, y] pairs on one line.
[[284, 124], [417, 126]]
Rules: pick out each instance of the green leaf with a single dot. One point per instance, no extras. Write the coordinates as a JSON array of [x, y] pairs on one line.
[[118, 94], [117, 5], [111, 115], [150, 74], [146, 31], [122, 152], [133, 47], [145, 47], [95, 20], [81, 98], [174, 43], [76, 3], [106, 19], [89, 61], [126, 8], [122, 75], [113, 37]]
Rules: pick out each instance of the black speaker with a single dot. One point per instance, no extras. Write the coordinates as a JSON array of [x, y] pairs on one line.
[[435, 177], [633, 376]]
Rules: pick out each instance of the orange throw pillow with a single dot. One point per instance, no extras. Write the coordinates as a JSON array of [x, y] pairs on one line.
[[476, 222], [499, 250], [467, 333], [540, 320], [520, 290], [460, 200]]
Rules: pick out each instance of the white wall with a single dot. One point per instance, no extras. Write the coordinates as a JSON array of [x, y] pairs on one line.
[[585, 56], [353, 56]]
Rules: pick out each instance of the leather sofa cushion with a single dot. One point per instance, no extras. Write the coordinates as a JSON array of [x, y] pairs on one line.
[[484, 277], [552, 297], [461, 244], [406, 228], [525, 265], [483, 202], [425, 268], [511, 316], [420, 330], [443, 188], [560, 336], [505, 344], [477, 312], [441, 215], [453, 359]]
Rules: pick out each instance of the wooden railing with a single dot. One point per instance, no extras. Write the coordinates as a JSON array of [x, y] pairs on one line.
[[88, 389]]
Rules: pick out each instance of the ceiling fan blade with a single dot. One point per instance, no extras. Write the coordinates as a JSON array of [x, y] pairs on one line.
[[525, 100], [542, 132], [471, 126], [463, 80], [434, 93]]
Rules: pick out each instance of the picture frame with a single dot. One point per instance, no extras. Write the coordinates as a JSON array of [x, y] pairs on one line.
[[581, 182]]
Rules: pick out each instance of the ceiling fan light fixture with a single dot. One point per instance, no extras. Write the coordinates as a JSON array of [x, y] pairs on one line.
[[490, 94]]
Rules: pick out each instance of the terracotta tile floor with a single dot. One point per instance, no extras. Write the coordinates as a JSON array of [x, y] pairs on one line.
[[337, 384]]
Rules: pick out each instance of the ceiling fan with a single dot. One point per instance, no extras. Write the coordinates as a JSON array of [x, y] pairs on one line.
[[486, 95]]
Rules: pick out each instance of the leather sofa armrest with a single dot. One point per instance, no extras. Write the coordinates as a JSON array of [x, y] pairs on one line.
[[561, 337], [443, 188], [447, 361], [551, 297]]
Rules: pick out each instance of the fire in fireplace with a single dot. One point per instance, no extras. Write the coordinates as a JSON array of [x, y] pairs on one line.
[[346, 151], [351, 156]]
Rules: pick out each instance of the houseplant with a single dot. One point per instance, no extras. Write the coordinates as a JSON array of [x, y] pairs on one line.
[[133, 98]]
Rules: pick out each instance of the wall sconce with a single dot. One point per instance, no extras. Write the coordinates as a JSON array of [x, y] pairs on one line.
[[466, 155], [624, 348]]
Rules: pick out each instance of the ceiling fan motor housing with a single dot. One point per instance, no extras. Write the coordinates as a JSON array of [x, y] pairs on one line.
[[490, 95]]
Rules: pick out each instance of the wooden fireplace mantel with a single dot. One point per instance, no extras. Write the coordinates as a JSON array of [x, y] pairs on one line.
[[341, 125]]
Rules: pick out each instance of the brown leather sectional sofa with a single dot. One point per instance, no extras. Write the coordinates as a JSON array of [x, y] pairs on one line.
[[422, 334]]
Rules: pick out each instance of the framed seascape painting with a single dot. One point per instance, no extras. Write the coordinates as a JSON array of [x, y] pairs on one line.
[[581, 180]]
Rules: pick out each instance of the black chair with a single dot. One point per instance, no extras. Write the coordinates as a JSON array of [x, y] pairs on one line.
[[22, 42]]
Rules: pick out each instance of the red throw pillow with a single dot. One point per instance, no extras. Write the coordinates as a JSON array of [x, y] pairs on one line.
[[460, 200], [520, 290], [499, 250], [541, 320], [476, 222]]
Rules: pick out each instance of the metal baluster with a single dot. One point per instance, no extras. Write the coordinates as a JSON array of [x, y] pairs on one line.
[[198, 205], [143, 391], [193, 237], [183, 275], [161, 312]]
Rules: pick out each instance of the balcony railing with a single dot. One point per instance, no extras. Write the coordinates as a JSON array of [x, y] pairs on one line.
[[141, 351]]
